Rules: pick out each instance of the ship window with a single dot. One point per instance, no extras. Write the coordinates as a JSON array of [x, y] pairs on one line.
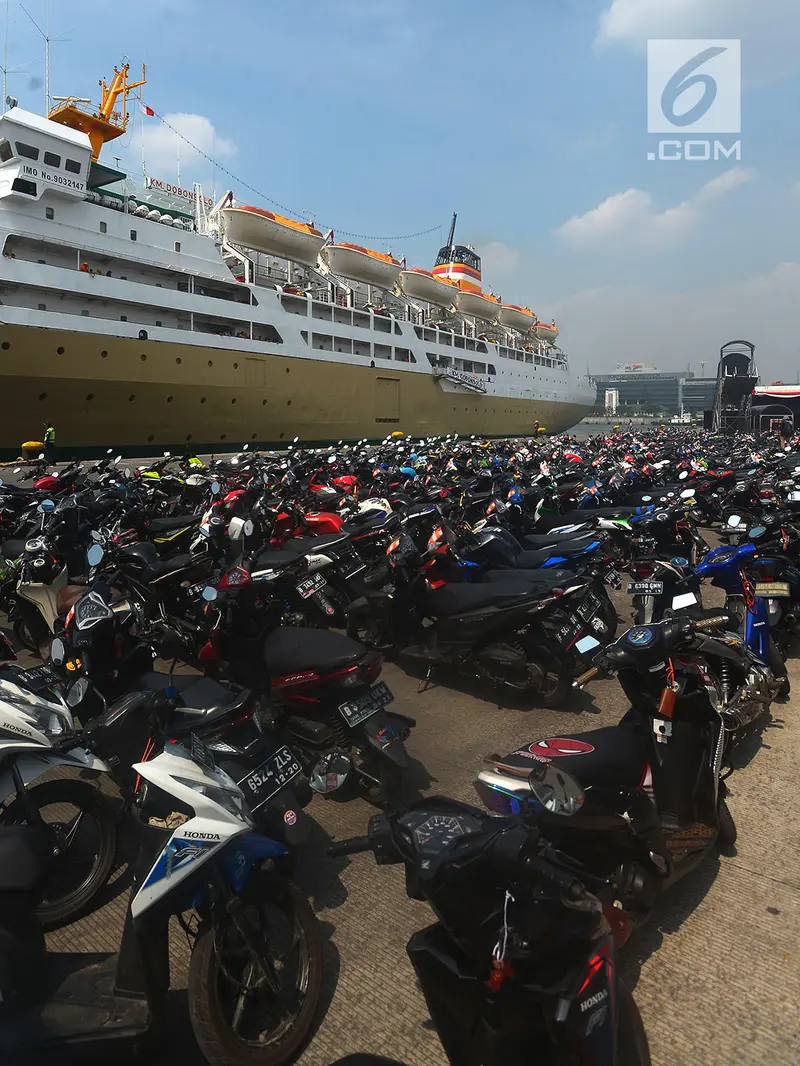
[[402, 355], [343, 315], [344, 344], [85, 313], [158, 322], [23, 185], [492, 370], [304, 335], [481, 347], [72, 166], [361, 318], [270, 334], [445, 338], [431, 358], [6, 151], [382, 351], [52, 160], [322, 341], [381, 324], [362, 348], [49, 212], [133, 234], [42, 307], [397, 329], [322, 311], [459, 342], [27, 151], [123, 318], [104, 227], [470, 345], [177, 246], [479, 368]]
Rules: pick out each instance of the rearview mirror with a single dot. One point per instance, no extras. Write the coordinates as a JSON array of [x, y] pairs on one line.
[[95, 554], [556, 790], [215, 487], [77, 692], [58, 652], [47, 506], [687, 494], [118, 458], [209, 593]]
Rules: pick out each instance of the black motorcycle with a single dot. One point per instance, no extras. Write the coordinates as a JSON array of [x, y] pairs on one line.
[[522, 959]]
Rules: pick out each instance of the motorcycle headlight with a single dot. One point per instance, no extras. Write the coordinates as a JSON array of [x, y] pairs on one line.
[[232, 800]]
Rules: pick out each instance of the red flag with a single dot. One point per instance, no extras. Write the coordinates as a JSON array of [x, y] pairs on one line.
[[146, 110]]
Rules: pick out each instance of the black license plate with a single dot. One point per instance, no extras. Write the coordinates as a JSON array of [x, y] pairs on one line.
[[614, 579], [351, 566], [37, 678], [364, 706], [589, 607], [771, 589], [645, 588], [568, 633], [270, 777], [309, 585], [200, 753]]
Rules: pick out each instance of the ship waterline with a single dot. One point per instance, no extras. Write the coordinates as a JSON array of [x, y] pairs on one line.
[[144, 395]]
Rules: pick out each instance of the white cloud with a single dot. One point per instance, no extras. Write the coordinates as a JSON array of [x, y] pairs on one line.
[[611, 325], [162, 145], [498, 260], [768, 29], [632, 218]]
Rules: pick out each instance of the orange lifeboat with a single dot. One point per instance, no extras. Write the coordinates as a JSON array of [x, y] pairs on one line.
[[264, 231], [420, 284], [547, 333], [357, 263], [515, 317], [478, 304]]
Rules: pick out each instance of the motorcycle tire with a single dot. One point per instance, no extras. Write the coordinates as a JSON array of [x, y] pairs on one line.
[[23, 636], [212, 976], [726, 838], [61, 905], [553, 687], [632, 1046], [389, 793]]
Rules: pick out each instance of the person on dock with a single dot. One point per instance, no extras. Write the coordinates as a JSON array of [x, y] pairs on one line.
[[49, 442]]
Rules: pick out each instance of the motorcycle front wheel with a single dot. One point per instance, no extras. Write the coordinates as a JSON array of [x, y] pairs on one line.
[[239, 1016]]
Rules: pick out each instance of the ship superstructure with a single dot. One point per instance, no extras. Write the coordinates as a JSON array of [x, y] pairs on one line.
[[152, 318]]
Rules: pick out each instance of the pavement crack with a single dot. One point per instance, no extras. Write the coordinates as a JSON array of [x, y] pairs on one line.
[[764, 877]]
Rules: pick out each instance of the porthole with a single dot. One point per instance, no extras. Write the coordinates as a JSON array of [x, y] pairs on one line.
[[104, 354], [42, 395], [178, 360], [233, 401], [202, 399], [253, 436], [143, 357], [222, 436], [5, 346], [263, 403], [210, 362], [150, 439], [90, 396], [235, 366], [288, 371], [188, 436], [281, 435], [170, 399], [288, 403], [132, 397], [60, 351]]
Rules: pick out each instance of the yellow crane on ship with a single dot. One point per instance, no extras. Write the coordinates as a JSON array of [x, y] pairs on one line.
[[104, 123]]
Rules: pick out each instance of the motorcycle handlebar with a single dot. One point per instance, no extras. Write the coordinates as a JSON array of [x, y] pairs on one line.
[[349, 847], [713, 623], [566, 883], [588, 675]]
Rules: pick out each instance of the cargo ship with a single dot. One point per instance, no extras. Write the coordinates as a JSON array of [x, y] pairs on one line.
[[147, 317]]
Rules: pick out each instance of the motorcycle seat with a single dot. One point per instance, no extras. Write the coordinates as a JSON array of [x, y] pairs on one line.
[[291, 649], [276, 558], [529, 560], [546, 522], [564, 546], [25, 858], [535, 541], [195, 691], [535, 579], [461, 599], [613, 756], [306, 545], [166, 566], [172, 522]]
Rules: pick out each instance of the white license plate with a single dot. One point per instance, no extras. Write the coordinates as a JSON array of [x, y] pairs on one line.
[[685, 599], [645, 588], [771, 589], [308, 586], [364, 706]]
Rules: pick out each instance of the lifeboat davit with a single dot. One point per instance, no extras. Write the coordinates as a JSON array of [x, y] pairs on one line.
[[362, 264], [477, 304], [264, 231], [420, 284], [514, 317], [547, 333]]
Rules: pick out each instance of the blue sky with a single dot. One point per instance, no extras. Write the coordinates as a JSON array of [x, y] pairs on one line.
[[528, 118]]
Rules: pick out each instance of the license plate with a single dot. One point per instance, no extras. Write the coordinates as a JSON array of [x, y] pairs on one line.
[[309, 585], [37, 678], [685, 599], [645, 588], [567, 633], [364, 706], [588, 608], [200, 753], [770, 589], [351, 567], [196, 590], [613, 579], [270, 777], [586, 644]]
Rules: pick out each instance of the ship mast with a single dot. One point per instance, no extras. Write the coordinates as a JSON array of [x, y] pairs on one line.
[[104, 123], [451, 236]]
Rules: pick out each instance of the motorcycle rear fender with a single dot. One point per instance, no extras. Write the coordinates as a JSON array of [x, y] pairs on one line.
[[590, 1024], [381, 732], [33, 766]]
